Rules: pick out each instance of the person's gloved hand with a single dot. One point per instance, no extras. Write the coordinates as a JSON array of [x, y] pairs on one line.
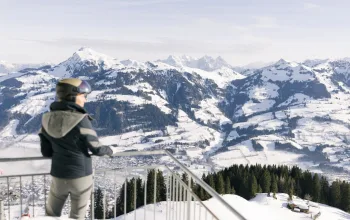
[[114, 149]]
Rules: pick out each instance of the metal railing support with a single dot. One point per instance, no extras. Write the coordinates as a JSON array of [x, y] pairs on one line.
[[206, 187], [115, 195], [125, 189], [145, 195], [33, 195], [155, 194], [2, 214], [135, 197], [189, 199], [8, 198], [20, 193], [179, 194], [167, 197]]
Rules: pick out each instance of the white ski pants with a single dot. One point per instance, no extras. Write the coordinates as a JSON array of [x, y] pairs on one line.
[[79, 190]]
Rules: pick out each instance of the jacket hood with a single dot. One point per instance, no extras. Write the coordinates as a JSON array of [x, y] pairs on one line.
[[58, 123]]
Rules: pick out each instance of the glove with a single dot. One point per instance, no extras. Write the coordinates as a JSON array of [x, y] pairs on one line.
[[114, 149]]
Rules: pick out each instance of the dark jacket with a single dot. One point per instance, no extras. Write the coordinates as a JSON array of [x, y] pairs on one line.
[[67, 136]]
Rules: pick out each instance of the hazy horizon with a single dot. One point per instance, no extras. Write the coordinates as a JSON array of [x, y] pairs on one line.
[[146, 30]]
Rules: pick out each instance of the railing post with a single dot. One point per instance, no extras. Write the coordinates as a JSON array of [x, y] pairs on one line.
[[189, 198], [33, 196], [104, 198], [168, 197], [125, 188], [104, 204], [173, 199], [177, 200], [2, 214], [115, 196], [92, 205], [20, 194], [8, 198], [145, 195], [155, 194]]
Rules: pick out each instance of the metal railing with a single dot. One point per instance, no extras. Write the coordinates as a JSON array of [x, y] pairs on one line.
[[181, 201]]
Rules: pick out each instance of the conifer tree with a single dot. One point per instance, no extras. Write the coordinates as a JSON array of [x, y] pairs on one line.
[[130, 205], [307, 183], [185, 178], [253, 186], [243, 188], [335, 194], [324, 198], [291, 188], [316, 188], [161, 187], [228, 185], [345, 197], [287, 184], [298, 190], [220, 186], [211, 181], [233, 191], [281, 185], [265, 181], [274, 186], [120, 201], [202, 195], [150, 186], [140, 193]]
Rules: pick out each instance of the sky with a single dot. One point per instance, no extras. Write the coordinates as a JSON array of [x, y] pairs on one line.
[[241, 32]]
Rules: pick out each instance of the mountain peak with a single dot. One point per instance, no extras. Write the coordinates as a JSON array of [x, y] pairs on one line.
[[84, 48], [84, 58], [282, 63], [86, 53], [206, 57], [314, 62], [219, 58], [206, 62]]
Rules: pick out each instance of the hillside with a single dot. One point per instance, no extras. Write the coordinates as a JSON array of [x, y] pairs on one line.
[[284, 113]]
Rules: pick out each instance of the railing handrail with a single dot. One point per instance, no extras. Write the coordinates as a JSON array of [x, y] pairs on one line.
[[206, 187], [119, 154], [199, 181]]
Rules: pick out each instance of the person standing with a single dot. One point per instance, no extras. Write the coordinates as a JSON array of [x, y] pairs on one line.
[[67, 136]]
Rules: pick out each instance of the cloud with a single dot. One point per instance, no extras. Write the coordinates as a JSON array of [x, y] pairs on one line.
[[311, 6], [265, 22], [145, 2], [161, 46]]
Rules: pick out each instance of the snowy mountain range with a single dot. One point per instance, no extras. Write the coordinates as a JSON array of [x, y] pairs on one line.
[[205, 63], [6, 67], [283, 113]]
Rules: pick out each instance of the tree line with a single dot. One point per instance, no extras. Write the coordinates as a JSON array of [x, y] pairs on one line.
[[245, 181]]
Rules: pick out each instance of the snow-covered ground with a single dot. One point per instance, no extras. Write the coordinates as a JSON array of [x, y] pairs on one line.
[[260, 207]]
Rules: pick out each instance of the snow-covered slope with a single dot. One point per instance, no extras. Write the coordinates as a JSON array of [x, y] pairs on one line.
[[289, 113], [260, 207]]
